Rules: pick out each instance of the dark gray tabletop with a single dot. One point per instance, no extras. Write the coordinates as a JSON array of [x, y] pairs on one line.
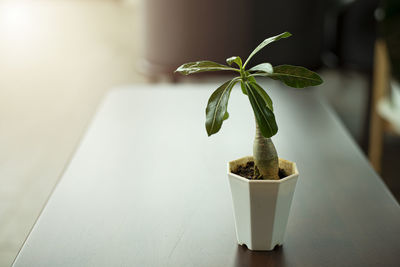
[[147, 187]]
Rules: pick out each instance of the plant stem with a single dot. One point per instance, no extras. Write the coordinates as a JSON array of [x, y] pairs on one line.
[[265, 157]]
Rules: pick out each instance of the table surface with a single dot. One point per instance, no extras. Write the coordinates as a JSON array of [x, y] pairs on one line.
[[147, 187]]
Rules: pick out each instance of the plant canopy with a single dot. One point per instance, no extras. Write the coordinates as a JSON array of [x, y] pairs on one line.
[[264, 153], [216, 111]]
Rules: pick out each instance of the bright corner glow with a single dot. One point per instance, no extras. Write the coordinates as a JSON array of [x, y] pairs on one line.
[[15, 19]]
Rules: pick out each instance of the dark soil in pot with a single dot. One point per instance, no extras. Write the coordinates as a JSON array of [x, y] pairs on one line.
[[247, 171]]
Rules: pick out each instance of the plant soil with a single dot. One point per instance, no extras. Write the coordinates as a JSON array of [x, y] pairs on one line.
[[247, 171]]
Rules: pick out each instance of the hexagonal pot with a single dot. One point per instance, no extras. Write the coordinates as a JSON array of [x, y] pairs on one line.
[[261, 207]]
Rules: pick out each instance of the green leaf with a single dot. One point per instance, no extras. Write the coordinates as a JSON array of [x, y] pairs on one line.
[[250, 78], [264, 94], [266, 42], [264, 116], [217, 107], [226, 116], [295, 76], [243, 86], [201, 66], [263, 67], [236, 60]]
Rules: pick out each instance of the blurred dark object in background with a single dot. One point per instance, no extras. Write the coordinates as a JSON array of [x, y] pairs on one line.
[[350, 34], [332, 33], [304, 19], [390, 30], [385, 124], [353, 47]]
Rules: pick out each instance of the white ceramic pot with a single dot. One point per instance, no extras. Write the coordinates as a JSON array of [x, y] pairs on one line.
[[261, 207]]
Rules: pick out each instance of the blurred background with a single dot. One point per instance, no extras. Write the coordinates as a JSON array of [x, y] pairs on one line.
[[59, 57]]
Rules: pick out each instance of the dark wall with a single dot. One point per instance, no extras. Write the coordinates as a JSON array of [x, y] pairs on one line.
[[357, 34], [304, 19], [390, 31], [179, 31]]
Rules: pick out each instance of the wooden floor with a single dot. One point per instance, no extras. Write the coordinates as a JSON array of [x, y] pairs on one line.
[[58, 58]]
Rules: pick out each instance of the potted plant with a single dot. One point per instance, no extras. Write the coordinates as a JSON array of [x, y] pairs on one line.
[[262, 185]]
